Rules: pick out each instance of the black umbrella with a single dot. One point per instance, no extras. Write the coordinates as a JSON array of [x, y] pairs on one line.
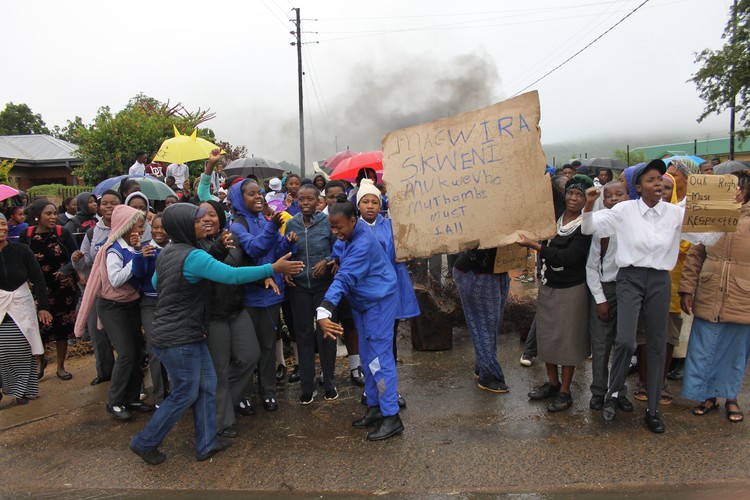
[[260, 167], [605, 163], [728, 167]]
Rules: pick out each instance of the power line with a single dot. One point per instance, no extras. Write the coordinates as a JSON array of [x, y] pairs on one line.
[[584, 48], [459, 14], [285, 25]]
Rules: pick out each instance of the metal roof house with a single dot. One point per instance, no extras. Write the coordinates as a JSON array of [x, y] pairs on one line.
[[705, 149], [39, 159]]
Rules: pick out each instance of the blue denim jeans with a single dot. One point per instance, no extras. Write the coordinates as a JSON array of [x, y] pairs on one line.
[[193, 383]]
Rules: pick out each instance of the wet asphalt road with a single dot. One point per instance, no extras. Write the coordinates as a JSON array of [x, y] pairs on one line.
[[459, 442]]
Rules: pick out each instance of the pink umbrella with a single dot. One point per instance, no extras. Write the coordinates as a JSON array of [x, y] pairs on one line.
[[7, 192], [347, 169], [337, 158]]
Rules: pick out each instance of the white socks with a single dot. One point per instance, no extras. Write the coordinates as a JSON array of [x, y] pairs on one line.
[[354, 362], [296, 353]]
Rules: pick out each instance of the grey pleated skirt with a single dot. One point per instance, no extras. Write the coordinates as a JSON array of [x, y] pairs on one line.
[[562, 325]]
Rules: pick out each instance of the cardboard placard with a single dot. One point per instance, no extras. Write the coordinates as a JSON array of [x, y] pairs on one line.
[[473, 179], [510, 257], [710, 205]]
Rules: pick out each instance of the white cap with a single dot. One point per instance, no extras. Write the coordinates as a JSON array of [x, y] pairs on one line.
[[275, 184], [367, 187]]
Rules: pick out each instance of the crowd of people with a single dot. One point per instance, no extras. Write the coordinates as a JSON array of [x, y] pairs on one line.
[[185, 307]]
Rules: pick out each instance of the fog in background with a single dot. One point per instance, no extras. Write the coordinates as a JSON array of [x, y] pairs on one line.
[[379, 66]]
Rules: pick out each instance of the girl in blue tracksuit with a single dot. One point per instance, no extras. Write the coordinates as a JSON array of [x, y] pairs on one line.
[[263, 244], [367, 278]]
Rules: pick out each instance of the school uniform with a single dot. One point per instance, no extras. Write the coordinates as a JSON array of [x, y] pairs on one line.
[[367, 278], [601, 278], [648, 243]]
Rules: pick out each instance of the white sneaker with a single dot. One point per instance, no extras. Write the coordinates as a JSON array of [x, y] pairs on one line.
[[525, 360]]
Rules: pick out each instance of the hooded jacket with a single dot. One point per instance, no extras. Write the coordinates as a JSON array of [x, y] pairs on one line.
[[262, 243], [95, 238], [146, 226], [314, 244], [83, 220], [98, 285]]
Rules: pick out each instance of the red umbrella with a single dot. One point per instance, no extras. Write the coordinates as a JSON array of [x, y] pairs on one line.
[[337, 158], [348, 168]]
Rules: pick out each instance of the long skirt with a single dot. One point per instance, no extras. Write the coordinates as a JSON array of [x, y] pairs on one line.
[[716, 360], [562, 330], [17, 366]]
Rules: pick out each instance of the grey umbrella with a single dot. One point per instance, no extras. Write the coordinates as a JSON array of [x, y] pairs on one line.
[[728, 167], [604, 163], [255, 165]]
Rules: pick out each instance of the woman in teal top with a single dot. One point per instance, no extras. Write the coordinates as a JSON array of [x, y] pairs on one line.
[[177, 337]]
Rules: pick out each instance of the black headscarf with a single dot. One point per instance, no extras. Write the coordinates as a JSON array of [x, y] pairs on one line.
[[179, 223], [220, 211]]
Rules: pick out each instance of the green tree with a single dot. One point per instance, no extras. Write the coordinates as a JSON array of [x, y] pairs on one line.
[[18, 119], [70, 131], [108, 145], [232, 152], [5, 166], [725, 74], [635, 156]]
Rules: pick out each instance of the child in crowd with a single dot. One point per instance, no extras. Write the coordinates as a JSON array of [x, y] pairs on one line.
[[118, 310], [275, 192], [16, 223], [178, 335], [648, 241], [368, 203], [144, 267], [293, 182], [368, 279], [601, 276], [83, 260], [262, 243], [344, 311], [306, 291]]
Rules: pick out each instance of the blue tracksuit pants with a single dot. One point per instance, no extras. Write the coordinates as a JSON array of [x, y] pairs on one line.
[[375, 328]]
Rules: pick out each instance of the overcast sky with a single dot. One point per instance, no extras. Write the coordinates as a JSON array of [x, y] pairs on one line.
[[380, 65]]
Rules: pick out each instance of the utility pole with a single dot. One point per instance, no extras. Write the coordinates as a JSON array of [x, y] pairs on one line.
[[298, 43], [734, 95]]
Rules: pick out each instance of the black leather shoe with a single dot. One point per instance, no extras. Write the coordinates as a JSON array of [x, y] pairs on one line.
[[544, 391], [390, 426], [294, 376], [219, 446], [596, 402], [280, 373], [358, 376], [624, 404], [654, 423], [372, 418], [609, 410], [562, 401], [675, 374], [120, 412], [245, 408], [270, 404], [99, 380], [401, 401], [151, 457], [141, 407], [230, 432], [363, 399]]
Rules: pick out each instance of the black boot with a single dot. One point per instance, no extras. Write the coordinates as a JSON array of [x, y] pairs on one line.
[[389, 427], [372, 418]]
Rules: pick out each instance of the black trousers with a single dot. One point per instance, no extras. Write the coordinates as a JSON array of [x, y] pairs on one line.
[[122, 321], [304, 303]]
